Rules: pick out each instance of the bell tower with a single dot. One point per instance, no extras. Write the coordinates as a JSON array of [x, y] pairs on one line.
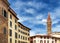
[[49, 24]]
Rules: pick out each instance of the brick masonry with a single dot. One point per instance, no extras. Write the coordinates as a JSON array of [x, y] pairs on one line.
[[3, 23]]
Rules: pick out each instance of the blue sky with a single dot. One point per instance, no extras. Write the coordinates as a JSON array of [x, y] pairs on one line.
[[33, 14]]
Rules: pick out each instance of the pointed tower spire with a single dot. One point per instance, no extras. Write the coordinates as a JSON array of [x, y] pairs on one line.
[[49, 24], [49, 18]]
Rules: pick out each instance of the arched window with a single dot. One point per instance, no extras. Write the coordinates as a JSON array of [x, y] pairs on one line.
[[4, 30], [34, 41], [4, 13], [15, 27], [44, 41], [48, 41], [41, 41], [52, 41]]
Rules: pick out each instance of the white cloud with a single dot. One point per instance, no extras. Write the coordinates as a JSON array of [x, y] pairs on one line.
[[37, 31], [55, 21], [56, 13], [56, 29], [19, 4], [32, 33], [22, 19], [40, 16], [34, 20], [30, 10], [36, 5], [43, 21]]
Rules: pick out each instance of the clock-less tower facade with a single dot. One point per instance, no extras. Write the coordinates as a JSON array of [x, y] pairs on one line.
[[49, 25]]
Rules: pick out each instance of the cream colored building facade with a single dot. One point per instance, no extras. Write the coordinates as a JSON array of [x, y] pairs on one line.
[[56, 34], [44, 39], [23, 33], [10, 32]]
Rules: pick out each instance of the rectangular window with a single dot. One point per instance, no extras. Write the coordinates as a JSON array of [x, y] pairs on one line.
[[18, 41], [31, 41], [23, 37], [10, 40], [18, 30], [15, 41], [28, 39], [15, 35], [15, 21], [18, 25], [28, 30], [15, 27], [28, 34], [19, 36], [10, 24], [4, 30], [10, 32], [10, 16]]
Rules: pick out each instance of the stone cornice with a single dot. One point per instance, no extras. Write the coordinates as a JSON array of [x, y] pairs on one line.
[[24, 27], [6, 2]]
